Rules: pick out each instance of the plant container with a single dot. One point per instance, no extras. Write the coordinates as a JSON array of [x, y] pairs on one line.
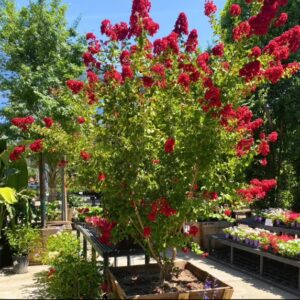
[[20, 264], [220, 290]]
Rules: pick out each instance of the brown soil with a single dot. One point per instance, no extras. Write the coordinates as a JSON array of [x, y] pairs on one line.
[[143, 283]]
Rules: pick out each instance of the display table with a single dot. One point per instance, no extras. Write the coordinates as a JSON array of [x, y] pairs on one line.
[[278, 229], [278, 270], [91, 237]]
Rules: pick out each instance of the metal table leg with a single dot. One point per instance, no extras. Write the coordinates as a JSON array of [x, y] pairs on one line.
[[84, 248], [231, 255], [261, 265]]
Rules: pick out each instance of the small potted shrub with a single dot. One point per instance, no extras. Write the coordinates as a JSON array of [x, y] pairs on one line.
[[22, 240]]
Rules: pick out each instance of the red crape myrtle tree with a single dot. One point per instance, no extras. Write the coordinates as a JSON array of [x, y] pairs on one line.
[[171, 138]]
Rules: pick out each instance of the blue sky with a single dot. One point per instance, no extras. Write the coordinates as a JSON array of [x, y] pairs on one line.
[[165, 12]]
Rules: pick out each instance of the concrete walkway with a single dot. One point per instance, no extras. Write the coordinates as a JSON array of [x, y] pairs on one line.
[[245, 287], [19, 286]]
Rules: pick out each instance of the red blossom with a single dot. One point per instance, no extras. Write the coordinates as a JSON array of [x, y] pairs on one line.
[[263, 162], [213, 96], [92, 77], [274, 74], [184, 80], [90, 35], [255, 52], [125, 57], [88, 60], [80, 120], [282, 19], [17, 152], [264, 148], [244, 146], [250, 70], [193, 230], [273, 136], [185, 250], [147, 232], [240, 31], [218, 50], [181, 25], [23, 123], [148, 81], [192, 41], [36, 146], [235, 10], [169, 145], [114, 75], [127, 72], [85, 155], [209, 8], [227, 212], [159, 69], [75, 86], [48, 122], [101, 176]]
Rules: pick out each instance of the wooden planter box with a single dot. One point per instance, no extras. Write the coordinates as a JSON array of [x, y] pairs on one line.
[[222, 291]]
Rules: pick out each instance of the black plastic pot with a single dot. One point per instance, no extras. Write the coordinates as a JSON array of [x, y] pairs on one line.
[[20, 264], [5, 253]]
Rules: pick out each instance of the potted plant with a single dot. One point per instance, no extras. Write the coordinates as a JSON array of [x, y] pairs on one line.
[[22, 239], [173, 137]]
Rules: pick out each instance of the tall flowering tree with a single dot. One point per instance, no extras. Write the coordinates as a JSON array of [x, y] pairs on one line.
[[171, 140]]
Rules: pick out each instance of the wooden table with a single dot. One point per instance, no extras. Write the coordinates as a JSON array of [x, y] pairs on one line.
[[90, 236]]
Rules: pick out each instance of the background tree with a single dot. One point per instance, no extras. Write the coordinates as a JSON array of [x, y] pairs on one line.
[[280, 105], [38, 53]]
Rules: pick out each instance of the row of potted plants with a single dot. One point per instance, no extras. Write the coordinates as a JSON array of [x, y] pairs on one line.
[[279, 217], [265, 240]]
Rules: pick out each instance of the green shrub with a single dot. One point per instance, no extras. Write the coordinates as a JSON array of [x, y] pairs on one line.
[[70, 276], [22, 239]]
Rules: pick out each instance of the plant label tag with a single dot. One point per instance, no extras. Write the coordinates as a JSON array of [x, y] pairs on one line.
[[269, 222]]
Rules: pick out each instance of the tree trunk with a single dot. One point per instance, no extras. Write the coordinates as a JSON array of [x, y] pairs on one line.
[[42, 179]]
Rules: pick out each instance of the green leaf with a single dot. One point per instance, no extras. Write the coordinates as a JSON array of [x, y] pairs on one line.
[[8, 195]]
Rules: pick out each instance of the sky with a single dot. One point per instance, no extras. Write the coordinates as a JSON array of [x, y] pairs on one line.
[[165, 12]]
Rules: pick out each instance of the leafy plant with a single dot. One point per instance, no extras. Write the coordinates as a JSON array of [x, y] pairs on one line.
[[70, 276], [75, 201], [23, 239], [53, 210]]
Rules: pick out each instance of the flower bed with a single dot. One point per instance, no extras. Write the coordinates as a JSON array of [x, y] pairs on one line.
[[279, 217], [265, 240]]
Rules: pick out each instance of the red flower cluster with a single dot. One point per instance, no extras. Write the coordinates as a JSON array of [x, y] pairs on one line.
[[250, 70], [92, 77], [88, 59], [213, 98], [181, 25], [113, 74], [209, 8], [125, 58], [261, 22], [210, 195], [85, 155], [17, 152], [193, 230], [118, 32], [184, 80], [101, 176], [80, 120], [240, 31], [48, 122], [169, 145], [140, 19], [235, 10], [75, 86], [106, 228], [227, 212], [147, 232], [168, 42], [51, 273], [192, 41], [218, 50], [282, 19], [258, 189], [90, 36], [23, 123], [36, 146], [244, 146], [274, 73], [161, 206], [202, 62], [255, 52]]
